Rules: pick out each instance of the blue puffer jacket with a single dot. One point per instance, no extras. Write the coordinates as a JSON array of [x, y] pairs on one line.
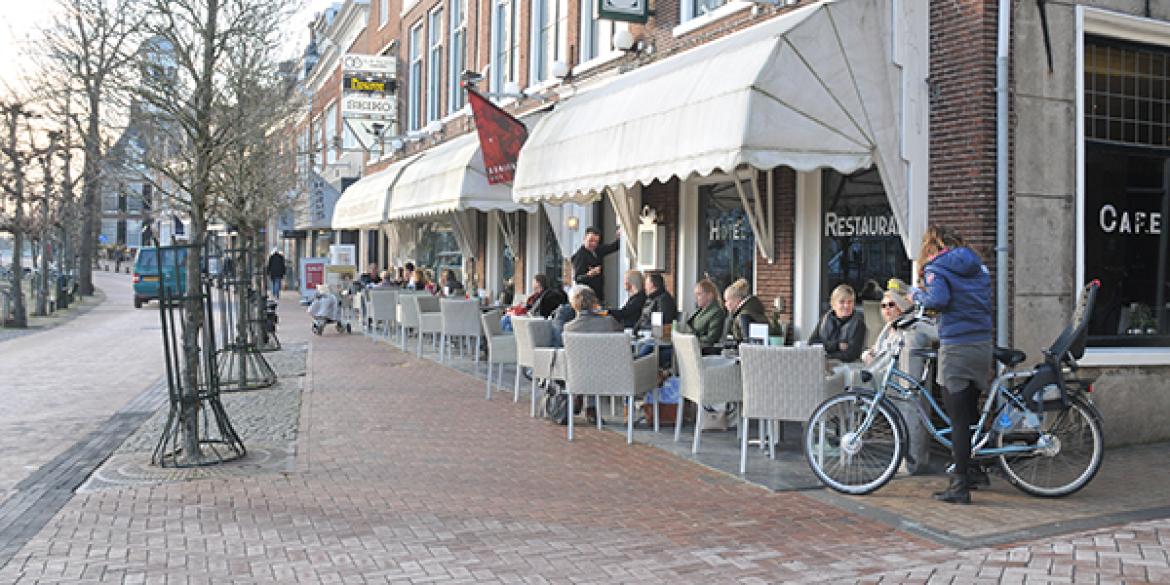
[[958, 285]]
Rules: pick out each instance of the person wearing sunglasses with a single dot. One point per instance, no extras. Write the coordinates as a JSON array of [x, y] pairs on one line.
[[922, 334]]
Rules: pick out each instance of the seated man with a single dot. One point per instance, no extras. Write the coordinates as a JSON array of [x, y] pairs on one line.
[[842, 329], [629, 314], [657, 301]]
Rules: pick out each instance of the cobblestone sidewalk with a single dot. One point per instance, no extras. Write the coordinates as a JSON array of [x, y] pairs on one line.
[[405, 474]]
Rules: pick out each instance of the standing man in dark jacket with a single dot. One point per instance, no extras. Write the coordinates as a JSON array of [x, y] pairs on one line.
[[587, 261], [275, 271], [957, 284]]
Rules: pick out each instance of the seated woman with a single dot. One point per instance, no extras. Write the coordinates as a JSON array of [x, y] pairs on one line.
[[743, 309], [629, 314], [588, 309], [923, 334], [842, 330], [706, 323]]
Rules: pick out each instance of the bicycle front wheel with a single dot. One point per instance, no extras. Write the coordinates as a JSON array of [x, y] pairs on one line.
[[1067, 452], [844, 455]]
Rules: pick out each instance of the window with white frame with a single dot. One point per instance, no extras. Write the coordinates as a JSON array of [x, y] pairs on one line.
[[434, 64], [383, 12], [456, 41], [505, 44], [697, 8], [549, 36], [596, 34], [331, 140], [414, 91]]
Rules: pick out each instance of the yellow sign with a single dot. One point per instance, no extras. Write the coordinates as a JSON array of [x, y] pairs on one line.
[[355, 84]]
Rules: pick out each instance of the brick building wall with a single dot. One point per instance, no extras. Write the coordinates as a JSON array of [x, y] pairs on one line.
[[962, 120]]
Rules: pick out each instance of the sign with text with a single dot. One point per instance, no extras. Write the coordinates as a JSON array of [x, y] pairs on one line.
[[853, 226], [382, 107], [312, 274], [370, 64]]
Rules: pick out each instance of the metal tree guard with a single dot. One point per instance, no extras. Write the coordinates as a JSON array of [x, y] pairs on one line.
[[218, 441], [241, 365]]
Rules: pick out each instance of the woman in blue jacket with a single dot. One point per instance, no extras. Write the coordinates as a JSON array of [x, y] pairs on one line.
[[957, 285]]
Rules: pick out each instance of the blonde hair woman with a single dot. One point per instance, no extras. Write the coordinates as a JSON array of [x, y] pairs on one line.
[[842, 329], [743, 309], [707, 320]]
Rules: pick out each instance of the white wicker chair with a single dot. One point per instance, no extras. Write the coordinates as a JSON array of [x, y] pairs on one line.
[[459, 321], [380, 308], [779, 383], [706, 381], [407, 316], [601, 364], [533, 335], [430, 320], [501, 347]]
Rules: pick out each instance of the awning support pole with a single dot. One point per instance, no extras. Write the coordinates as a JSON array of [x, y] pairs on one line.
[[754, 215], [625, 215]]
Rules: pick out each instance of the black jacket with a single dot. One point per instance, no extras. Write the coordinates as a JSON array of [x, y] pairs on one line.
[[584, 261], [631, 312], [548, 301], [276, 266], [749, 311], [659, 302], [831, 331]]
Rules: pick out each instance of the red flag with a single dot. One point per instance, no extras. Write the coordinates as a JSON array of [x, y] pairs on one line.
[[500, 137]]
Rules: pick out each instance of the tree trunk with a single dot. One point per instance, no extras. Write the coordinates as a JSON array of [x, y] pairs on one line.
[[91, 210]]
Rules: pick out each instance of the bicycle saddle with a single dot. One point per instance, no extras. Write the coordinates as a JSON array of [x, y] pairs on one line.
[[1010, 357], [926, 353]]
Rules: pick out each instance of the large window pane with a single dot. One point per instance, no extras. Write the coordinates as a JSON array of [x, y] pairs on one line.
[[727, 245], [860, 239]]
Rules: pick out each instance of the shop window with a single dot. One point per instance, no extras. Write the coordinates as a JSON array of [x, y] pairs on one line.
[[727, 245], [552, 262], [438, 250], [1125, 208], [1126, 195], [861, 242]]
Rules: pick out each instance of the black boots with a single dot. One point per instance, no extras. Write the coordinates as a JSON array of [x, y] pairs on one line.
[[959, 492], [977, 477]]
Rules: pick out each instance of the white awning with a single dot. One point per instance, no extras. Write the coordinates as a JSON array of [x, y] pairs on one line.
[[450, 177], [818, 87], [366, 203]]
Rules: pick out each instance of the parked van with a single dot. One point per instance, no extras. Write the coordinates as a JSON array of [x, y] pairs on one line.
[[148, 274]]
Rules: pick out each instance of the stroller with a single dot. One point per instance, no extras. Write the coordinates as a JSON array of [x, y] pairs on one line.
[[328, 307]]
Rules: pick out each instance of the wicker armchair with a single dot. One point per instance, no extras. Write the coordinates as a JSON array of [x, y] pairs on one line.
[[779, 383], [501, 347], [459, 321], [706, 381], [533, 335], [601, 364]]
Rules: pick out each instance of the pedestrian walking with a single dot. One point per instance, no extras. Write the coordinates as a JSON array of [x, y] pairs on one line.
[[276, 270]]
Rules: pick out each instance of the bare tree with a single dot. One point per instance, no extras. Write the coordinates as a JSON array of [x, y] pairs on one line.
[[188, 84], [90, 47], [14, 198]]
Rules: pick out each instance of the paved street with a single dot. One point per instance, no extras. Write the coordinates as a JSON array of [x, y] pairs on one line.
[[403, 473], [60, 383]]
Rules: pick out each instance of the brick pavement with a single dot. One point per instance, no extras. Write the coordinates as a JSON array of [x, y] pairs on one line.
[[405, 474]]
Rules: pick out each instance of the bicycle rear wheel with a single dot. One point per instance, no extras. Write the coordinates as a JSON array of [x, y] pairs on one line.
[[1069, 449], [847, 458]]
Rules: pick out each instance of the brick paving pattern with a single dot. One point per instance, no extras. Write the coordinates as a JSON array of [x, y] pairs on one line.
[[405, 474]]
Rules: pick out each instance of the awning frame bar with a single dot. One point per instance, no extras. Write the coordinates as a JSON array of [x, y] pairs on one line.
[[761, 224]]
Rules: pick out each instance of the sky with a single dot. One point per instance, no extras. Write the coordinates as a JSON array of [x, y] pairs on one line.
[[21, 18]]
